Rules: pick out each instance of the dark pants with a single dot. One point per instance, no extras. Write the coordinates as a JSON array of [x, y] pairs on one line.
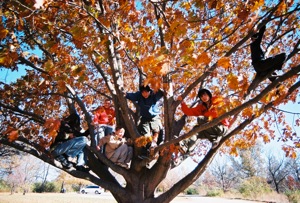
[[264, 67], [212, 134]]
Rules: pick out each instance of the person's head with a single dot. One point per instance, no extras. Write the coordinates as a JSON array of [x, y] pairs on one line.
[[145, 91], [204, 95], [107, 103], [73, 120], [120, 132]]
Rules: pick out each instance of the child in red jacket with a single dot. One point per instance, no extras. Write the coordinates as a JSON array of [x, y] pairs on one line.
[[104, 120], [206, 110]]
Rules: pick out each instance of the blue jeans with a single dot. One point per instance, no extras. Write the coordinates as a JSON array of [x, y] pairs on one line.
[[73, 148], [101, 131]]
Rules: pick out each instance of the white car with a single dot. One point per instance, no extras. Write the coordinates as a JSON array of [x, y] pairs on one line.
[[95, 189]]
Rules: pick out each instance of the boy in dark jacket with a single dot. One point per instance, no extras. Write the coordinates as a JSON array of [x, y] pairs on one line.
[[70, 142]]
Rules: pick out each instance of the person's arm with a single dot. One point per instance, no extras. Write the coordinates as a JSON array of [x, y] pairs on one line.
[[103, 141], [133, 96], [195, 111], [159, 94]]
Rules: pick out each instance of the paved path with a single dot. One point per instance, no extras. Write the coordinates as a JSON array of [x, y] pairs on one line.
[[103, 198], [197, 199]]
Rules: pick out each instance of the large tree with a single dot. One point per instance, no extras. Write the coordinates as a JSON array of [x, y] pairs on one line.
[[87, 50]]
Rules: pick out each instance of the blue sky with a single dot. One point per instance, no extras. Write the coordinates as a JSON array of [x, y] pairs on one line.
[[7, 76]]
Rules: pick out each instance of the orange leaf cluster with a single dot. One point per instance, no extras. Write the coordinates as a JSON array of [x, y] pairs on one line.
[[281, 8], [142, 141], [243, 13], [255, 4], [89, 100], [8, 58], [51, 127], [174, 149], [155, 83], [247, 112], [224, 62], [12, 133], [289, 152], [212, 4], [204, 58], [233, 82], [266, 138], [234, 152], [156, 65], [3, 33]]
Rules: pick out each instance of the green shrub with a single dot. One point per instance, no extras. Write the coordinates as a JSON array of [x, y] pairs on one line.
[[254, 186], [75, 187], [293, 196], [3, 186], [191, 191], [47, 187], [214, 193]]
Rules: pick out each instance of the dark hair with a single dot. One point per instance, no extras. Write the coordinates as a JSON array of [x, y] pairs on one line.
[[145, 88], [73, 120], [118, 128], [201, 92]]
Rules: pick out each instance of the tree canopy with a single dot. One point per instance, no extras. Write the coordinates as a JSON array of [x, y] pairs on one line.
[[87, 51]]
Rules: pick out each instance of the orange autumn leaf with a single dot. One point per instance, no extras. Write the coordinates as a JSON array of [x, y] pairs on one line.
[[13, 135], [256, 5], [233, 82], [281, 8], [45, 143], [204, 58], [160, 22], [212, 4], [7, 58], [3, 33], [297, 145], [266, 139], [154, 83], [224, 62], [233, 151], [143, 141], [293, 155], [243, 13], [8, 130], [247, 112], [289, 152], [52, 126]]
